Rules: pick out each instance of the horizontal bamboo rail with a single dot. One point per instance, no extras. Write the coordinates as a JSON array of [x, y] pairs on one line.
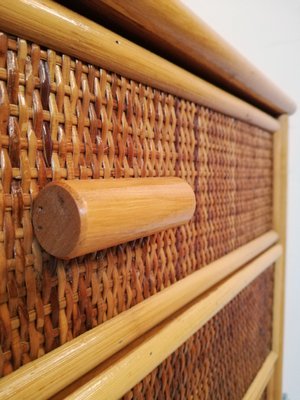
[[115, 378], [173, 30], [57, 369], [76, 217], [52, 25], [262, 378]]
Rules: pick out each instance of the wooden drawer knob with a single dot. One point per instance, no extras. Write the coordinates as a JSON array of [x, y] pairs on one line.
[[72, 218]]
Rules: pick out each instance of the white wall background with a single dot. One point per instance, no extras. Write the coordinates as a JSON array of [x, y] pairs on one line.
[[267, 32]]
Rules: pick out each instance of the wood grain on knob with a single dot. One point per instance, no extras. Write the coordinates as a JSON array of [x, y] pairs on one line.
[[72, 218]]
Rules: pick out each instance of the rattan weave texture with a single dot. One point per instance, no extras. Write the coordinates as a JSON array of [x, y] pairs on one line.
[[221, 360], [63, 119]]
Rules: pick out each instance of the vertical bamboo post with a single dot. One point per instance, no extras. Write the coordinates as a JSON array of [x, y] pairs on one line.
[[279, 224]]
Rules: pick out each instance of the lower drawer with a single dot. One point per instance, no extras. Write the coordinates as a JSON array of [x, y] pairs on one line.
[[221, 360]]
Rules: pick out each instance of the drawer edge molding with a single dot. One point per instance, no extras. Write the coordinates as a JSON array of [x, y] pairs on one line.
[[63, 30], [54, 371]]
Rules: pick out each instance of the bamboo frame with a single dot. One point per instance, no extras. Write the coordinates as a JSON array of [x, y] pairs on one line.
[[117, 376], [62, 366], [279, 223], [173, 30], [262, 378], [61, 29]]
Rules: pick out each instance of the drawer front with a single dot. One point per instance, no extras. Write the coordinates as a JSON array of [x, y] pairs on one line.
[[221, 360], [63, 119]]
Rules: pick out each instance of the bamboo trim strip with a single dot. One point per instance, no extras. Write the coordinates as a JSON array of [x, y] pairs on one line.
[[59, 368], [127, 369], [279, 222], [177, 32], [59, 28], [261, 380]]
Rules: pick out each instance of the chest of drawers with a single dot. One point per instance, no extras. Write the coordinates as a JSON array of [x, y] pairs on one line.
[[191, 310]]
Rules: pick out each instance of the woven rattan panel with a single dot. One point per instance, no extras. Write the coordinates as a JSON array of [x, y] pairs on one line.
[[62, 119], [221, 360]]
